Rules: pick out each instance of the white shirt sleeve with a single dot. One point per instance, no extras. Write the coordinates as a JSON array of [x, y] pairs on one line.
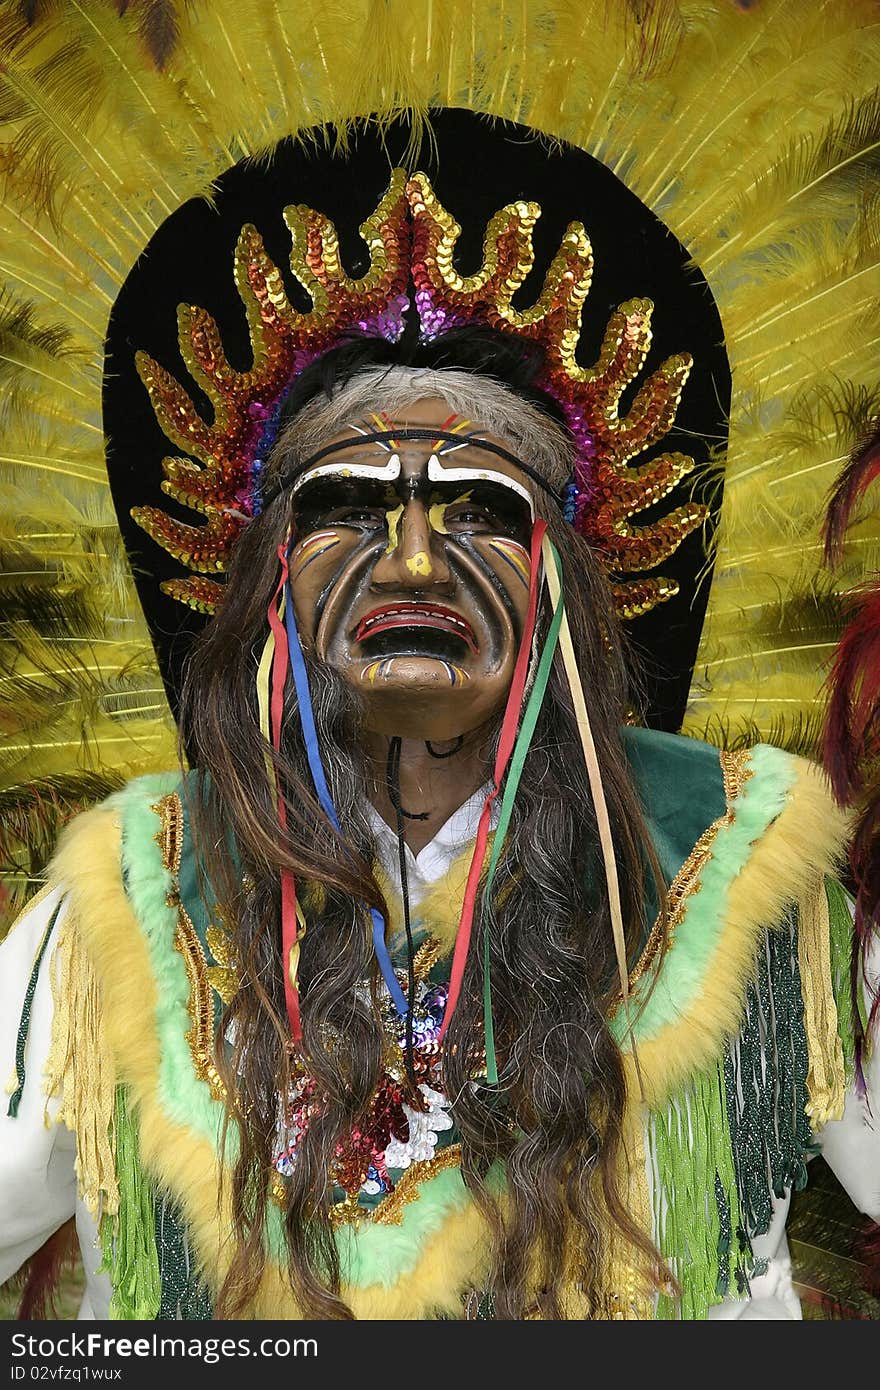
[[37, 1178]]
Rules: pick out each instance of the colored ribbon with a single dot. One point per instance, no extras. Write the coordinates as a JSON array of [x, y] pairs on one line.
[[505, 747], [597, 791], [319, 779], [511, 786], [289, 942]]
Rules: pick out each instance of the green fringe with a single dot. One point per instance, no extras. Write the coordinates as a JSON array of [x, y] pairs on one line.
[[766, 1086], [841, 924], [696, 1202], [129, 1242], [732, 1138]]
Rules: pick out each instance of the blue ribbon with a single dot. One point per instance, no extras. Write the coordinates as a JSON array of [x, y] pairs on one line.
[[316, 767]]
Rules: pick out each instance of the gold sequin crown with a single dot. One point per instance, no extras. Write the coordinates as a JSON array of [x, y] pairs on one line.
[[411, 239]]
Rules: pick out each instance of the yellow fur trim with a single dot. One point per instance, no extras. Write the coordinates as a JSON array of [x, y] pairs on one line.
[[806, 839], [441, 905], [826, 1075], [88, 865]]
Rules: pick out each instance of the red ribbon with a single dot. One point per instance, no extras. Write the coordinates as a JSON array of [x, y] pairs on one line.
[[280, 667], [506, 741]]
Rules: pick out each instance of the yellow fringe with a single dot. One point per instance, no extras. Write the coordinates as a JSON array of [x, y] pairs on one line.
[[826, 1077], [79, 1068]]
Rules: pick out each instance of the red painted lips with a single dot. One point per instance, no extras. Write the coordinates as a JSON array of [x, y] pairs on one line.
[[432, 615]]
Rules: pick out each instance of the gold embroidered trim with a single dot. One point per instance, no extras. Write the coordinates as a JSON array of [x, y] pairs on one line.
[[390, 1211], [426, 957], [200, 1004], [169, 836], [224, 975], [735, 771]]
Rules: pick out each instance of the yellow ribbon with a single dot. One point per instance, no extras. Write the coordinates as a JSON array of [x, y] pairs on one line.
[[597, 790]]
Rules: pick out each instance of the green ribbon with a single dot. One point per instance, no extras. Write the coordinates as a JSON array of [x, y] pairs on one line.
[[511, 786]]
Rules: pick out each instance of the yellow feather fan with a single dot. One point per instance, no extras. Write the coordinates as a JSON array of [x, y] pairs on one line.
[[753, 131]]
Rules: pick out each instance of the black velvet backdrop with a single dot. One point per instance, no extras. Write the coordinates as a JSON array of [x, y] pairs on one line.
[[476, 166]]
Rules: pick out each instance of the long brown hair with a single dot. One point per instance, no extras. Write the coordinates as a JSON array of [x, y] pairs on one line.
[[554, 1121]]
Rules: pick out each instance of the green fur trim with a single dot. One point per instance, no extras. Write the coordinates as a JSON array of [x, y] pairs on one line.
[[656, 1003], [376, 1253], [185, 1099]]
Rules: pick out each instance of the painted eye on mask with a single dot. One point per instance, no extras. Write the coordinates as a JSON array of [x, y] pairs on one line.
[[484, 510], [342, 502], [367, 517], [467, 520]]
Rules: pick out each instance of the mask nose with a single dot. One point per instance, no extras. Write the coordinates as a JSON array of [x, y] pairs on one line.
[[413, 557]]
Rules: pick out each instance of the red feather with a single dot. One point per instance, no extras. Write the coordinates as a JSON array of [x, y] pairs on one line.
[[868, 1251], [851, 754], [852, 722], [41, 1274]]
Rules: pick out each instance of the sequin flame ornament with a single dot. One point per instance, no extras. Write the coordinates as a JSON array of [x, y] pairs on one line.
[[401, 1125], [412, 239], [224, 484]]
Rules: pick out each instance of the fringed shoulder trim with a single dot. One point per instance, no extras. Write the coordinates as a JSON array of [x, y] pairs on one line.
[[780, 834]]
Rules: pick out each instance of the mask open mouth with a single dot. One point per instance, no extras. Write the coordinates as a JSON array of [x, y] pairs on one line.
[[433, 629]]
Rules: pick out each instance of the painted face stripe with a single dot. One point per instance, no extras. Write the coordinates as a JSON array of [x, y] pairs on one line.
[[380, 472], [513, 556], [384, 421], [442, 446], [313, 547], [455, 673]]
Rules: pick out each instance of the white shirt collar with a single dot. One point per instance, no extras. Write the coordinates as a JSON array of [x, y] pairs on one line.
[[432, 862]]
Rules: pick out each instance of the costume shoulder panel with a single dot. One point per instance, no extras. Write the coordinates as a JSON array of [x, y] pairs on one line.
[[743, 838]]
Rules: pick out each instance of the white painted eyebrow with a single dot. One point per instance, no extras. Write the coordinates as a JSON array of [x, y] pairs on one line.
[[438, 474], [390, 472], [378, 472]]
